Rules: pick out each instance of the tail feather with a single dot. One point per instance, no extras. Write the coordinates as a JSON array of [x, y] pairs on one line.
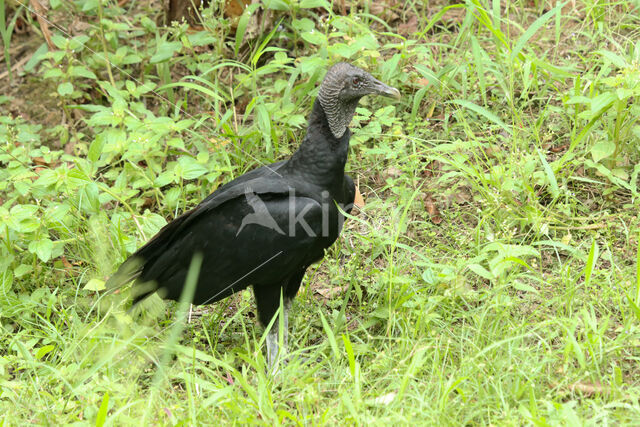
[[128, 271]]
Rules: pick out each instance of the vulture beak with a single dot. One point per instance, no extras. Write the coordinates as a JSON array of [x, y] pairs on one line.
[[380, 88]]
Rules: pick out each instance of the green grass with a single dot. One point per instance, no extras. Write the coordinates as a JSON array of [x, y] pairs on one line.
[[493, 276]]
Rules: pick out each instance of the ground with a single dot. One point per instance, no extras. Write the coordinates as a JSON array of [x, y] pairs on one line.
[[491, 276]]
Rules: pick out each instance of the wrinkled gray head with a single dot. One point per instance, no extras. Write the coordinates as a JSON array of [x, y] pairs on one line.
[[342, 88]]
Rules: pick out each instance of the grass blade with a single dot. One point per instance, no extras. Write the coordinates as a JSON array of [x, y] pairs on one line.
[[533, 28], [483, 112]]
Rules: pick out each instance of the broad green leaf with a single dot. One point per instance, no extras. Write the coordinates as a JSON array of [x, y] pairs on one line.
[[188, 168], [22, 269], [276, 5], [95, 149], [95, 285], [37, 56], [342, 50], [24, 218], [602, 103], [602, 150], [304, 24], [201, 38], [481, 271], [65, 89], [59, 41], [89, 5], [80, 71], [44, 350], [152, 223], [42, 248], [614, 58], [314, 37], [312, 4], [524, 287], [165, 51]]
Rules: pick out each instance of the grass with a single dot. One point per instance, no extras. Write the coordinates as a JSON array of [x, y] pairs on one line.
[[491, 278]]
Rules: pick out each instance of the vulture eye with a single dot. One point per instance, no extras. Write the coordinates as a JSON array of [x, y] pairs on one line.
[[356, 81]]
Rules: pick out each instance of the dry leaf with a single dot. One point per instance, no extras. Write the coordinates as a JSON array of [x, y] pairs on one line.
[[589, 389], [66, 263], [432, 210], [358, 201], [409, 27], [559, 149], [454, 16], [329, 293], [234, 8], [40, 161], [391, 172], [41, 12]]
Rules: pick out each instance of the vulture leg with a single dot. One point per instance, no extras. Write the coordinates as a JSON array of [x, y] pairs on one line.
[[268, 301], [289, 294]]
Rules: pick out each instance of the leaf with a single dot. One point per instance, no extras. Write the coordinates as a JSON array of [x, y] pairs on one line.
[[312, 4], [189, 168], [165, 51], [634, 306], [242, 24], [350, 354], [153, 223], [44, 350], [481, 271], [79, 71], [42, 248], [35, 59], [602, 103], [23, 218], [21, 270], [614, 58], [95, 149], [428, 74], [102, 412], [65, 89], [553, 183], [276, 5], [358, 200], [59, 41], [95, 285], [524, 287], [330, 335], [602, 150], [591, 262], [533, 28]]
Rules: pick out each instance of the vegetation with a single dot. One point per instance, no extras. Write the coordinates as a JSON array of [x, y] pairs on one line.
[[491, 277]]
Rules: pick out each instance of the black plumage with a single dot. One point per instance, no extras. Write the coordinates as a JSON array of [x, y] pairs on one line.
[[267, 226]]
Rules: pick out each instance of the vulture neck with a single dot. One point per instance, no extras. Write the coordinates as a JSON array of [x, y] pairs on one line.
[[321, 156]]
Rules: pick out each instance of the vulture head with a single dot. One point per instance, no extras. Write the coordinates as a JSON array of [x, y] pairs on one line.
[[342, 88]]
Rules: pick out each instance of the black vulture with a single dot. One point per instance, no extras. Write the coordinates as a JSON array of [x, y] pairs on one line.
[[267, 226]]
